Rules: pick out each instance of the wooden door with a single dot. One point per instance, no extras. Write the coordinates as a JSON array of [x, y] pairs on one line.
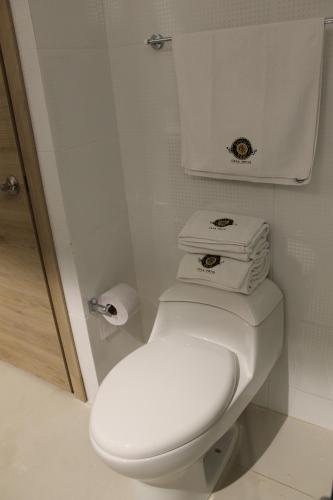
[[28, 334]]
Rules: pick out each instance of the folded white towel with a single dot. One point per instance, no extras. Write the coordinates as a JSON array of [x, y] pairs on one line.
[[254, 252], [224, 273], [236, 236], [249, 100]]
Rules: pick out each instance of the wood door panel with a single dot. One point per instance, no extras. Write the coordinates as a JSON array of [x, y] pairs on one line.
[[28, 334], [37, 361]]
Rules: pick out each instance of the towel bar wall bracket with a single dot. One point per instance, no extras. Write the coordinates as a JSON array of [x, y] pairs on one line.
[[157, 41]]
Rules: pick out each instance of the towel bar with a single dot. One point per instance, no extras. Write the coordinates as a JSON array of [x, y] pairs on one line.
[[157, 41]]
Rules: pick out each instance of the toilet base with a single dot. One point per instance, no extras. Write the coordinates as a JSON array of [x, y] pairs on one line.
[[195, 482]]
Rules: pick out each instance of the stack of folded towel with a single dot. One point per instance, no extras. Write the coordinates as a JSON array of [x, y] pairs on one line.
[[225, 251]]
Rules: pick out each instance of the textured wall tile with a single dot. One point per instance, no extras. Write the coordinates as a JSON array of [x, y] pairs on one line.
[[304, 272], [311, 354], [68, 24], [121, 343], [161, 197], [75, 68], [132, 22], [310, 408], [146, 89], [77, 84], [23, 24]]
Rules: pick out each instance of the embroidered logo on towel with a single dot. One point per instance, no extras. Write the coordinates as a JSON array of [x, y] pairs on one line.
[[242, 149], [222, 222], [209, 261]]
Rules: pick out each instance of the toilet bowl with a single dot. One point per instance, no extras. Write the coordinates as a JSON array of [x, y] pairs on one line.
[[165, 415]]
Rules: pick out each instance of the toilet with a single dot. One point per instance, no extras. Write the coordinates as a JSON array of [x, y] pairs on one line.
[[165, 416]]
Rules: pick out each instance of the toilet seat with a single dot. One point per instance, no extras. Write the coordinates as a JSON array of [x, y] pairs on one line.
[[163, 396]]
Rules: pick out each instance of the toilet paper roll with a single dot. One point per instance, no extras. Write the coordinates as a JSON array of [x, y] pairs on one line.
[[122, 302]]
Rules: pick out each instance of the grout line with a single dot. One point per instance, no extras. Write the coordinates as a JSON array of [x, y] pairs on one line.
[[330, 400], [289, 416], [89, 142], [44, 50], [283, 484], [326, 326]]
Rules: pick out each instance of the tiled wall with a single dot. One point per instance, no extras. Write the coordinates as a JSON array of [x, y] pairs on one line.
[[73, 55], [83, 178], [161, 197], [64, 54]]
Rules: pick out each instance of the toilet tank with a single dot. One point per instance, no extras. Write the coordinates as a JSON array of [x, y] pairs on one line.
[[249, 325]]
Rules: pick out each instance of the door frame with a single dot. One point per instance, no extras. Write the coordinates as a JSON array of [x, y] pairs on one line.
[[30, 166]]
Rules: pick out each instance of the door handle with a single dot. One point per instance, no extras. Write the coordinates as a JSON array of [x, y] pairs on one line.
[[11, 185]]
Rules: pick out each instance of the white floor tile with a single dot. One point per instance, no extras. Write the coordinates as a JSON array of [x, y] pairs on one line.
[[287, 450], [45, 452], [252, 486]]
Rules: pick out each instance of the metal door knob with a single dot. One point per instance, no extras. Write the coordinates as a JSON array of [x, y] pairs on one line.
[[11, 185]]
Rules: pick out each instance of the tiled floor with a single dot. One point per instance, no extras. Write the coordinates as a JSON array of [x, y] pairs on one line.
[[45, 452]]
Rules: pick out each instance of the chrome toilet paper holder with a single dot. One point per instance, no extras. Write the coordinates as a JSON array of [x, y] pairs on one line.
[[95, 307]]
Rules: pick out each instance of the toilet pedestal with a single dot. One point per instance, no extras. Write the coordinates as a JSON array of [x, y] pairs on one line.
[[195, 482]]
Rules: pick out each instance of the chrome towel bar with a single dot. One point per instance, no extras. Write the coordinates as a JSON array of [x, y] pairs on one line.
[[157, 41]]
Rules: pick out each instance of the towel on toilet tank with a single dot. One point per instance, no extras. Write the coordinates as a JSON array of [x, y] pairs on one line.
[[235, 236], [249, 100], [224, 273], [251, 253]]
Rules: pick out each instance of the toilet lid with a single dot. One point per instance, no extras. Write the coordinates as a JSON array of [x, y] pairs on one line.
[[162, 396]]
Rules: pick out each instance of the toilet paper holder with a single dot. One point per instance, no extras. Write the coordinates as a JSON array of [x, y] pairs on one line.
[[95, 307]]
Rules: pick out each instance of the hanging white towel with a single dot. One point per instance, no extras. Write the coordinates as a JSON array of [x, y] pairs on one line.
[[224, 273], [249, 101], [236, 236]]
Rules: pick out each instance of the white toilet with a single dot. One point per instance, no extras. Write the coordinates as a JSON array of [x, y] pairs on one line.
[[164, 415]]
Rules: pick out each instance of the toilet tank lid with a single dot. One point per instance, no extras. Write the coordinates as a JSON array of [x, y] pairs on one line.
[[252, 308]]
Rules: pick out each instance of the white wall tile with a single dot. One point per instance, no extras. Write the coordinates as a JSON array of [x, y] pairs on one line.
[[97, 216], [68, 268], [131, 22], [52, 190], [311, 408], [87, 150], [79, 97], [31, 72], [77, 88], [23, 24], [81, 333], [107, 353], [161, 197], [90, 168], [311, 354], [145, 86], [80, 165], [68, 24], [278, 382], [38, 109], [302, 269]]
